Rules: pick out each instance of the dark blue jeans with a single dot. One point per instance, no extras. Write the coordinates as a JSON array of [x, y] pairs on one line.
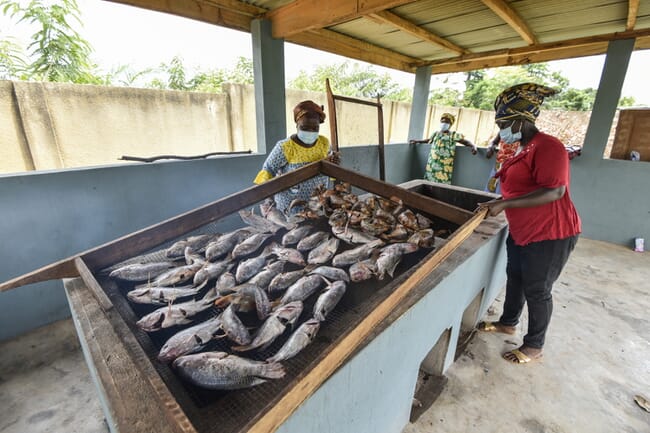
[[531, 272]]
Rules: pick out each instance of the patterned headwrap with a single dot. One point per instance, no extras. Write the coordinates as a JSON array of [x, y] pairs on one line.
[[306, 107], [448, 116], [522, 100]]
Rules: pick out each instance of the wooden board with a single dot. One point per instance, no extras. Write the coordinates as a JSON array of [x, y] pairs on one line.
[[632, 133]]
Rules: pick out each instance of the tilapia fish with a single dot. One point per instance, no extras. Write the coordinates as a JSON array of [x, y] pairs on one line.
[[171, 315], [160, 295], [324, 252], [263, 278], [141, 271], [284, 280], [300, 339], [331, 273], [363, 270], [249, 267], [390, 257], [190, 340], [233, 327], [196, 243], [246, 298], [274, 326], [352, 236], [312, 241], [277, 217], [224, 244], [288, 254], [295, 235], [302, 289], [259, 223], [222, 371], [424, 238], [356, 254], [249, 245], [177, 275], [328, 300], [210, 271]]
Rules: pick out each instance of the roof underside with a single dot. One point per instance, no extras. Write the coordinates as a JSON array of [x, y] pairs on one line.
[[448, 35]]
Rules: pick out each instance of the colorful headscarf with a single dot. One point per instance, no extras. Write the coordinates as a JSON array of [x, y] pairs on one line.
[[448, 116], [306, 107], [521, 101]]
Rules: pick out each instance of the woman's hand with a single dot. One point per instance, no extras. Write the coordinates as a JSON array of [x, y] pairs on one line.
[[494, 207], [334, 158], [490, 152]]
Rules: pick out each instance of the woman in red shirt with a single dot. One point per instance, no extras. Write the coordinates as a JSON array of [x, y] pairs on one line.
[[543, 222]]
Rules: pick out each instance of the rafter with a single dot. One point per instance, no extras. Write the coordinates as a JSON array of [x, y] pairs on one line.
[[579, 47], [507, 14], [408, 27], [302, 15], [632, 10]]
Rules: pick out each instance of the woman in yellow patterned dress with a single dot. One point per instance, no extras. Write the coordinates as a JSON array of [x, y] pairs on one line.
[[440, 165], [303, 147]]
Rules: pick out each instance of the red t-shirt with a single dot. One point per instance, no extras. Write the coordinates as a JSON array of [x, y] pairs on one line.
[[543, 163]]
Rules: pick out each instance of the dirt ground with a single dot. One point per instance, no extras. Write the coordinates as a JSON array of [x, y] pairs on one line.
[[596, 360]]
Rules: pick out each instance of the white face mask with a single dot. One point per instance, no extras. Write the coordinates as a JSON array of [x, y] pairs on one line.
[[508, 136], [444, 126], [307, 137]]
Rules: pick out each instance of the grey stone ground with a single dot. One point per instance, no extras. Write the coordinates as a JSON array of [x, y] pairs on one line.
[[597, 358]]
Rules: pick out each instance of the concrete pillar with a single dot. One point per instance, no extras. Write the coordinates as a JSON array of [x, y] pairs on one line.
[[268, 70], [607, 97], [420, 102]]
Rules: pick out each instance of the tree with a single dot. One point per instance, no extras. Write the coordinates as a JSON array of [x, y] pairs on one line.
[[351, 79], [12, 63], [57, 51]]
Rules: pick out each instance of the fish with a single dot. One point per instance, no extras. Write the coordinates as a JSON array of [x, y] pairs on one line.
[[302, 289], [424, 238], [258, 222], [233, 327], [288, 254], [249, 267], [284, 280], [177, 275], [247, 297], [328, 299], [223, 371], [160, 295], [312, 241], [263, 278], [224, 285], [274, 326], [398, 233], [331, 273], [190, 340], [141, 271], [423, 222], [249, 245], [196, 243], [300, 339], [295, 235], [210, 271], [390, 256], [225, 243], [375, 226], [276, 216], [408, 220], [356, 254], [172, 315], [352, 236], [324, 252], [363, 270]]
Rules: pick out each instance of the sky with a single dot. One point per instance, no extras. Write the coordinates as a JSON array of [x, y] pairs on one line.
[[125, 35]]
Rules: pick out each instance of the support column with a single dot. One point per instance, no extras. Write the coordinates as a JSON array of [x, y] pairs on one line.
[[607, 97], [268, 70], [420, 102]]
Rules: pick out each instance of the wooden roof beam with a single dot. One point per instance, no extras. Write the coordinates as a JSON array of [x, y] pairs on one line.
[[579, 47], [632, 11], [408, 27], [507, 14], [302, 15]]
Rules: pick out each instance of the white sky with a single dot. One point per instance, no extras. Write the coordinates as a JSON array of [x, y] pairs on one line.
[[125, 35]]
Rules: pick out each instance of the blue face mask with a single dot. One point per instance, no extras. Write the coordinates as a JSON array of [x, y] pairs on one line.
[[307, 137], [508, 136], [444, 126]]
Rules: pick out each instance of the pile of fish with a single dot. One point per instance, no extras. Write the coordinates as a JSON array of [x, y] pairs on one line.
[[270, 270]]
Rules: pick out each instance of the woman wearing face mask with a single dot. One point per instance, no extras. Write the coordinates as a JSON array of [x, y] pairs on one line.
[[440, 164], [543, 222], [303, 147]]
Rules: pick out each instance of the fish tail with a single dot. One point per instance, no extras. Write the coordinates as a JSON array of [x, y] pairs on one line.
[[273, 370]]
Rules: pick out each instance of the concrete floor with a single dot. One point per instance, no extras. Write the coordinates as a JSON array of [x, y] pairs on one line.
[[597, 358]]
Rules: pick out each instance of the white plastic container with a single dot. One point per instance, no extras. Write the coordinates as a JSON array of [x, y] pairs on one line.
[[638, 245]]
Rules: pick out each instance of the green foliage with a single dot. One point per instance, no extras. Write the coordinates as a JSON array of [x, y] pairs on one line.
[[12, 63], [57, 52], [351, 79]]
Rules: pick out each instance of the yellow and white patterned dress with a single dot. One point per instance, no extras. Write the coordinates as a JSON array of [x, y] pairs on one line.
[[287, 155]]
